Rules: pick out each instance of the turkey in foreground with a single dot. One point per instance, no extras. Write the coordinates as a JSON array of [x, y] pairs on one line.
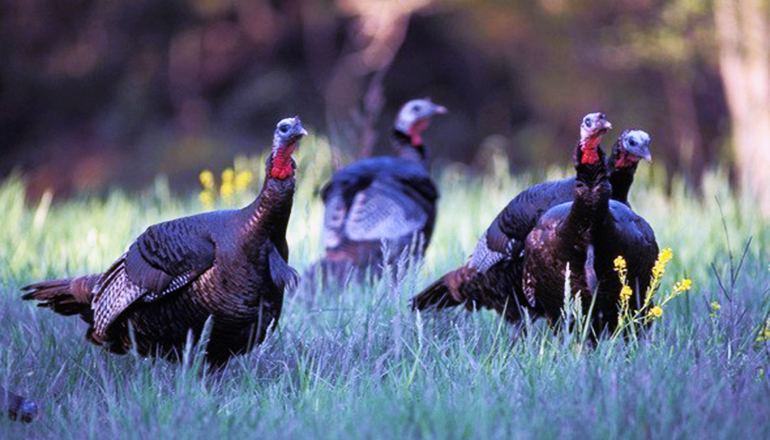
[[382, 200], [493, 272], [493, 276], [588, 234], [229, 264]]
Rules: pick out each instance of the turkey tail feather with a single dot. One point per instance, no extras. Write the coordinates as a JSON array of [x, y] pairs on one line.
[[68, 296], [435, 296]]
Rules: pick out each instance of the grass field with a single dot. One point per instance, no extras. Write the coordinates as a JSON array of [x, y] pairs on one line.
[[356, 363]]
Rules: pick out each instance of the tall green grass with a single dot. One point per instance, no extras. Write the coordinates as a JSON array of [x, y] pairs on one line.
[[355, 363]]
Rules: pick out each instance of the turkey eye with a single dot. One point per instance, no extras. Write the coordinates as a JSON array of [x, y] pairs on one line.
[[417, 108], [587, 122], [284, 128], [632, 142]]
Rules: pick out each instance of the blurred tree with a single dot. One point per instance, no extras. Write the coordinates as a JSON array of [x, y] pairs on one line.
[[673, 39], [100, 92], [744, 59]]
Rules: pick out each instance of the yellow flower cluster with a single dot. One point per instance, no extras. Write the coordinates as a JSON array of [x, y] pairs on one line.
[[715, 306], [648, 311], [207, 179], [620, 263], [232, 184], [656, 312], [683, 285], [227, 189], [207, 197], [660, 264], [625, 293], [243, 180]]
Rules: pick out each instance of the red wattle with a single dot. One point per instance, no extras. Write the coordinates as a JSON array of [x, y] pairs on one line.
[[625, 160], [590, 157], [282, 167], [415, 132], [590, 153]]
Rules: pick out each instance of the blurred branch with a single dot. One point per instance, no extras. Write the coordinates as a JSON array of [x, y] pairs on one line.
[[379, 31]]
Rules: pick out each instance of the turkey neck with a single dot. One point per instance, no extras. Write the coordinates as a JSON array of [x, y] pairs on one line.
[[621, 177], [409, 150], [592, 195], [268, 215]]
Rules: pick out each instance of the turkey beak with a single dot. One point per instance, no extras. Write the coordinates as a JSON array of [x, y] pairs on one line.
[[298, 132], [440, 110], [604, 128]]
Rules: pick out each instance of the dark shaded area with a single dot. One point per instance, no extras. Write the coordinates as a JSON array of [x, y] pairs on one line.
[[98, 93]]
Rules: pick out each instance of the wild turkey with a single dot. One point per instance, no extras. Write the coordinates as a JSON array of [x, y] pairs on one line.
[[631, 147], [493, 276], [229, 264], [17, 406], [497, 261], [588, 234], [382, 200]]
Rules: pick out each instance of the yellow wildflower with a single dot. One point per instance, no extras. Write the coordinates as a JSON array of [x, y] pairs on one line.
[[207, 199], [228, 176], [682, 286], [242, 180], [660, 265], [227, 189], [207, 179], [656, 312], [620, 263], [715, 306], [625, 293]]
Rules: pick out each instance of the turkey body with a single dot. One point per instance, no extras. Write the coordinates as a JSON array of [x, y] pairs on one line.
[[242, 288], [492, 276], [230, 265], [376, 201], [590, 250]]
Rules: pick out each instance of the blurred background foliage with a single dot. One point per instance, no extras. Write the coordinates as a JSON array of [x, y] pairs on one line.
[[95, 93]]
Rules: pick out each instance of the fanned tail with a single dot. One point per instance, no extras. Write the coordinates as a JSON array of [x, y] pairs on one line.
[[17, 406], [436, 296], [68, 296]]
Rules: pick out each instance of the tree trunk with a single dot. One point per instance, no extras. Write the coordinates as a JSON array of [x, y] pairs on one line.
[[684, 118], [743, 37]]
